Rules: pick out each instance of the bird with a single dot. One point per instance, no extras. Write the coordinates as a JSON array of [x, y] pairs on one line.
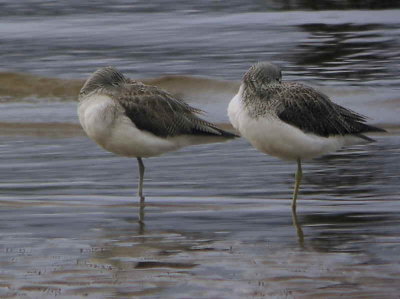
[[131, 119], [290, 120]]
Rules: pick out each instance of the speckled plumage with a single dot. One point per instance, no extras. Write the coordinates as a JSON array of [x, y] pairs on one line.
[[149, 107], [298, 105]]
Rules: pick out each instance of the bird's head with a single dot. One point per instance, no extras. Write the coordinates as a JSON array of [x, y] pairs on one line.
[[262, 73], [107, 78]]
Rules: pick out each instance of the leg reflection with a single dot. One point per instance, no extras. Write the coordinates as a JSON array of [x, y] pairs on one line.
[[141, 210], [299, 231], [141, 230]]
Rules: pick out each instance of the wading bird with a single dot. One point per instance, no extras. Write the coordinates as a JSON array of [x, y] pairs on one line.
[[290, 120], [132, 119]]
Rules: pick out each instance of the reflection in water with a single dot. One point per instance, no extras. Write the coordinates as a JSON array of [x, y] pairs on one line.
[[349, 232], [347, 51], [340, 175], [354, 229], [141, 214], [358, 171], [299, 230], [181, 254], [205, 247]]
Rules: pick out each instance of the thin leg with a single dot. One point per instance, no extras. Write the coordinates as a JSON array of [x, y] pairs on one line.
[[299, 175], [140, 190]]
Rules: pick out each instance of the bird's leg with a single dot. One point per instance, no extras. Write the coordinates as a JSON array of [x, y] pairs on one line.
[[140, 190], [299, 175]]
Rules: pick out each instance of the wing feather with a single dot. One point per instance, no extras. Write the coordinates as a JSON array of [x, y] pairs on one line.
[[313, 112], [156, 111]]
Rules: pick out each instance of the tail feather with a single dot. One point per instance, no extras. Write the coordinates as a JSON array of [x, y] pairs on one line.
[[369, 128], [212, 135], [211, 129], [366, 138], [366, 129], [227, 134], [214, 131]]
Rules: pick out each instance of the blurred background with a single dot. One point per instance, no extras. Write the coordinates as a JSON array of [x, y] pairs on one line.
[[218, 221]]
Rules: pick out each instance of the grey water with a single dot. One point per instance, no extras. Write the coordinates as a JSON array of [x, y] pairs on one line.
[[218, 222]]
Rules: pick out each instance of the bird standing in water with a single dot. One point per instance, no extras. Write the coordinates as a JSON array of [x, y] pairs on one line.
[[132, 119], [290, 120]]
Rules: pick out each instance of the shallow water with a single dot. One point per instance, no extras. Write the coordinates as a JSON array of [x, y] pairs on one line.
[[218, 222], [216, 225]]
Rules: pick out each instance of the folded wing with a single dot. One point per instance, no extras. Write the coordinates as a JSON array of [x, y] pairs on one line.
[[313, 112], [156, 111]]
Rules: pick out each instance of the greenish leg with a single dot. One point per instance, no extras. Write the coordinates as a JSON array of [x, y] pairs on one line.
[[298, 177], [140, 190]]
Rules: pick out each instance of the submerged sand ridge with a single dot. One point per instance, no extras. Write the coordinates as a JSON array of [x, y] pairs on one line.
[[19, 85], [41, 106]]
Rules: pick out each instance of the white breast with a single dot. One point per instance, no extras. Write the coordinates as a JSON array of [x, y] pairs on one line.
[[96, 117], [236, 111], [105, 122]]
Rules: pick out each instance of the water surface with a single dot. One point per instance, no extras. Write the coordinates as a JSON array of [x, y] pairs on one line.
[[217, 222]]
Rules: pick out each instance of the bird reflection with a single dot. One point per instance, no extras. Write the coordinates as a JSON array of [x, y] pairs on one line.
[[141, 219], [340, 231], [141, 211]]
